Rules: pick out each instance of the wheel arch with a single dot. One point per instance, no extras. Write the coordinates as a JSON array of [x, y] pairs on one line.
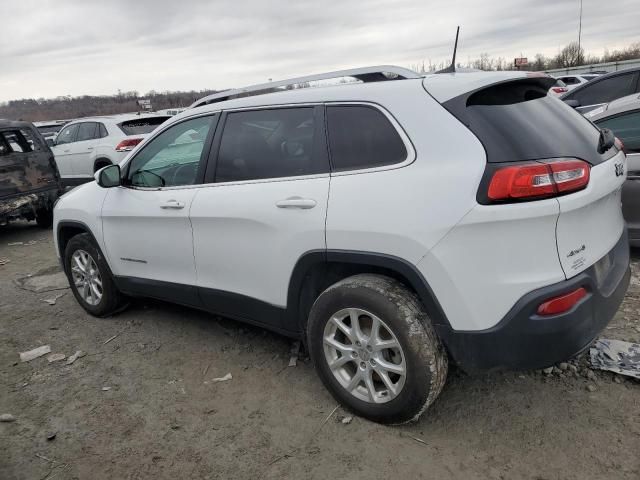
[[315, 271], [68, 229], [102, 161]]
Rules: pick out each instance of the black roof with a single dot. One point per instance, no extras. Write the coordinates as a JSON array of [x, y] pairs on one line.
[[14, 124]]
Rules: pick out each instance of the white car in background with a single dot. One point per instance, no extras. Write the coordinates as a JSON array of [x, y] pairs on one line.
[[86, 145], [573, 81]]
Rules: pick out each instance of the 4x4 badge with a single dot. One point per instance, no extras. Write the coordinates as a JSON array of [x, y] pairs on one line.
[[619, 169]]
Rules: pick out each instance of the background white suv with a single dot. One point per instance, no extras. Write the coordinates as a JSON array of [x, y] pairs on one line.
[[84, 146], [392, 224]]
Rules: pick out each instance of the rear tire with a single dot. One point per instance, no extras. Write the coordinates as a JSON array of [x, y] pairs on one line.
[[90, 278], [387, 363]]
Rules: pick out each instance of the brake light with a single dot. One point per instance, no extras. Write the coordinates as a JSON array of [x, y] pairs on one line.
[[534, 180], [128, 144], [559, 89], [563, 303]]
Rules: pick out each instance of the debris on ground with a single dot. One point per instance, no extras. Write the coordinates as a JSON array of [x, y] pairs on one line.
[[54, 299], [295, 353], [111, 338], [4, 261], [616, 356], [7, 417], [13, 244], [56, 357], [106, 389], [419, 440], [591, 388], [347, 420], [45, 280], [51, 436], [75, 356], [228, 376], [35, 353], [548, 371]]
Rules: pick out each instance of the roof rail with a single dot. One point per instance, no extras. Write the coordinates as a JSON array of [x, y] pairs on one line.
[[365, 74]]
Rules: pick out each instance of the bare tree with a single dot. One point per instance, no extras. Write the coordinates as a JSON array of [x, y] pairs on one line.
[[570, 56]]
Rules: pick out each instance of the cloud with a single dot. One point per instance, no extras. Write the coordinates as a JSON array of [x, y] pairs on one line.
[[65, 47]]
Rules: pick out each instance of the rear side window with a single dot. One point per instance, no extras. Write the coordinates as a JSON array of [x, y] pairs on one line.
[[87, 131], [272, 143], [362, 137], [517, 121], [627, 128], [31, 139], [102, 131], [141, 126], [606, 90]]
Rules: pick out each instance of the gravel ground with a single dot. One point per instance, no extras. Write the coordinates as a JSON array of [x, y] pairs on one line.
[[143, 405]]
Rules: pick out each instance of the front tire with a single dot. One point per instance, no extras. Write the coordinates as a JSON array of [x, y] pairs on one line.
[[375, 350], [90, 278]]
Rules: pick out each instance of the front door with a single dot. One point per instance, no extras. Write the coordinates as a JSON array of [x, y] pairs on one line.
[[82, 150], [62, 150], [147, 231], [264, 207]]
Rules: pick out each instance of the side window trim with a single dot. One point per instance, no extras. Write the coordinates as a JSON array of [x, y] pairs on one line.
[[408, 144], [215, 116], [320, 147]]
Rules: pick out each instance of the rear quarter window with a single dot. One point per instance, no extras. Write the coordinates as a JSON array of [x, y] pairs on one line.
[[362, 137]]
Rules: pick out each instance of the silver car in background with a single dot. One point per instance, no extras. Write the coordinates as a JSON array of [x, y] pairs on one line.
[[622, 116]]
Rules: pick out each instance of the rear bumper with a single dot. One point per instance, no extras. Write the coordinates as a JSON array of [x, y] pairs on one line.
[[525, 340]]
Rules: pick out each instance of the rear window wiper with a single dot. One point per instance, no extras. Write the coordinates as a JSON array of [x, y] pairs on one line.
[[606, 141]]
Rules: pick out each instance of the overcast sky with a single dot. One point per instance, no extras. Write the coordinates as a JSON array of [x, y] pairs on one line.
[[62, 47]]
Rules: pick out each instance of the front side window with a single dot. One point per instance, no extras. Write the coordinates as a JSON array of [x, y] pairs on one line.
[[606, 90], [67, 135], [86, 131], [269, 144], [172, 158], [362, 137], [627, 128]]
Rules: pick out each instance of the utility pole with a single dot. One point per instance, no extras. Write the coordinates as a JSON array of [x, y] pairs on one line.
[[580, 34]]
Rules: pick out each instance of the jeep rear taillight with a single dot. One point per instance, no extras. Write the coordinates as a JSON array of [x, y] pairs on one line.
[[563, 303], [538, 179], [128, 144]]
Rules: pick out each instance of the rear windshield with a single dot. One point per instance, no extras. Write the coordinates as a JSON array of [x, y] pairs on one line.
[[49, 129], [518, 121], [140, 126]]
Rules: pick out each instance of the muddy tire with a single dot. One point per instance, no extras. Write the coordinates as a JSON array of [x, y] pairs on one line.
[[375, 349], [90, 278]]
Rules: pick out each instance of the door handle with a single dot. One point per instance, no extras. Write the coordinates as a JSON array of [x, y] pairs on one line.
[[89, 148], [67, 151], [172, 204], [296, 202]]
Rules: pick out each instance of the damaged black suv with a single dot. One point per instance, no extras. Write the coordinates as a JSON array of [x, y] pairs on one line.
[[29, 179]]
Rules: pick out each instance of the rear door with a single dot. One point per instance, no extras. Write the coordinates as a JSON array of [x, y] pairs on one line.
[[263, 207], [62, 150], [82, 150]]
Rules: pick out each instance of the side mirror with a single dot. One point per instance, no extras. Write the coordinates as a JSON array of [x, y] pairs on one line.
[[109, 176], [572, 103]]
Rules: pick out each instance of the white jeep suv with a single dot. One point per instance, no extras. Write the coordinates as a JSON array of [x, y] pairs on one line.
[[394, 225], [86, 145]]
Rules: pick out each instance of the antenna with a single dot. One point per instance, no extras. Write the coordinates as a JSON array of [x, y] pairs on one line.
[[452, 68]]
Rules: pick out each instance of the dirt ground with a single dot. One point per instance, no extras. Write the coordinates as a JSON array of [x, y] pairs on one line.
[[142, 405]]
